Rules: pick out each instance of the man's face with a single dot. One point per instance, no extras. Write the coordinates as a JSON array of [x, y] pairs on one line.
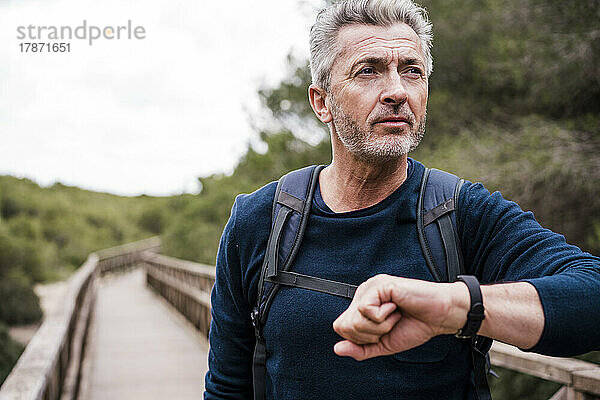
[[378, 93]]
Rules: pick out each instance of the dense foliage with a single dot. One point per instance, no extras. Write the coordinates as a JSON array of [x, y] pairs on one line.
[[9, 352]]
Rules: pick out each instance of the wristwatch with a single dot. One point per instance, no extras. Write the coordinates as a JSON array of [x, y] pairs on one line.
[[476, 311]]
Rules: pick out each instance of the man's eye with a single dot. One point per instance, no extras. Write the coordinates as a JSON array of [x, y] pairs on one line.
[[415, 71], [366, 71]]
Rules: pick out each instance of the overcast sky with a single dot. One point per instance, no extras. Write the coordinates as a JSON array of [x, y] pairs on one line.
[[141, 116]]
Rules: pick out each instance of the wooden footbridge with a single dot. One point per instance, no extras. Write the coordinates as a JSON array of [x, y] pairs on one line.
[[133, 324]]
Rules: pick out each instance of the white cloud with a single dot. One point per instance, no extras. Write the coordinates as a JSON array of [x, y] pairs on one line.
[[140, 116]]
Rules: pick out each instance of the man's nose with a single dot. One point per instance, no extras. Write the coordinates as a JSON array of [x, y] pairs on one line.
[[394, 92]]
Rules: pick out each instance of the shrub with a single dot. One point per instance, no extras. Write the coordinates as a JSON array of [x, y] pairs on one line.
[[10, 351], [20, 305]]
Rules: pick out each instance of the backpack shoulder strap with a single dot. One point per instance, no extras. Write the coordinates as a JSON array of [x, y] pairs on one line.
[[480, 360], [291, 208], [438, 234], [436, 224]]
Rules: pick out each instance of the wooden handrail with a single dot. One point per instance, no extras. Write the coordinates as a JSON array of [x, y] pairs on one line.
[[127, 254], [43, 366], [185, 284], [150, 244], [172, 263], [581, 379]]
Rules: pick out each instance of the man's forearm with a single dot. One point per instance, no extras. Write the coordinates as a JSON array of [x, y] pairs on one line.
[[513, 312]]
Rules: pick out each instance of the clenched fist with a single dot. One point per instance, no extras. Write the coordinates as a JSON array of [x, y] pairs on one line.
[[391, 314]]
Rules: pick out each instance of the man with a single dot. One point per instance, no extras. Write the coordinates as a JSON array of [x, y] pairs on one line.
[[370, 62]]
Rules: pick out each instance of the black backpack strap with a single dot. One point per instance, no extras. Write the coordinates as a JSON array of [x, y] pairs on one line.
[[438, 234], [480, 360], [438, 198], [259, 368], [294, 279], [291, 208]]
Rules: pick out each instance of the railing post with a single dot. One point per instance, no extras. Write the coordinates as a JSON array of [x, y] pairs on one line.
[[587, 384]]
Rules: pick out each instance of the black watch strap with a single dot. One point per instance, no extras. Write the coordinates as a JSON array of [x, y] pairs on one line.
[[476, 311]]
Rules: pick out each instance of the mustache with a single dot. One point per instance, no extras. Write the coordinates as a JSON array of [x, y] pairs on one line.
[[398, 112]]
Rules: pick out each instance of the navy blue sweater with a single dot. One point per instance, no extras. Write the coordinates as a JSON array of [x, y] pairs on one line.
[[500, 242]]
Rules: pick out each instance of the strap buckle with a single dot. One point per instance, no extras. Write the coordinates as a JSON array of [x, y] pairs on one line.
[[255, 318]]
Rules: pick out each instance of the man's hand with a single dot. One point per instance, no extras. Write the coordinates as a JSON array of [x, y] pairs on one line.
[[391, 314]]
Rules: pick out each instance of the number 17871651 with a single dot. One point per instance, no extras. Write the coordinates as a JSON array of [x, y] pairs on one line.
[[45, 47]]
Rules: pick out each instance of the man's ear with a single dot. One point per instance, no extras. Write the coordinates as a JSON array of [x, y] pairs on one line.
[[317, 96]]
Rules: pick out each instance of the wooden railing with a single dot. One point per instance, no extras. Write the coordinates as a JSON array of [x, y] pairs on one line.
[[50, 366], [184, 284], [126, 256], [581, 379]]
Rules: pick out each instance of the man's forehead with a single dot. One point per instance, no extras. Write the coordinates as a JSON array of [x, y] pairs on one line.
[[358, 39]]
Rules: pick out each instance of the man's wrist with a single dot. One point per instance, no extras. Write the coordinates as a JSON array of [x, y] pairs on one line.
[[460, 303]]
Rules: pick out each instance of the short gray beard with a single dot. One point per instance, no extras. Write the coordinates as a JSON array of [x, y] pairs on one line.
[[360, 143]]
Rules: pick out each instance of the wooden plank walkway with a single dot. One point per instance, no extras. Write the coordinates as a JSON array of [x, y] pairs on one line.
[[140, 349]]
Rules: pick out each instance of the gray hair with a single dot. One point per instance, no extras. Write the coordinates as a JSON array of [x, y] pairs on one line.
[[323, 34]]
